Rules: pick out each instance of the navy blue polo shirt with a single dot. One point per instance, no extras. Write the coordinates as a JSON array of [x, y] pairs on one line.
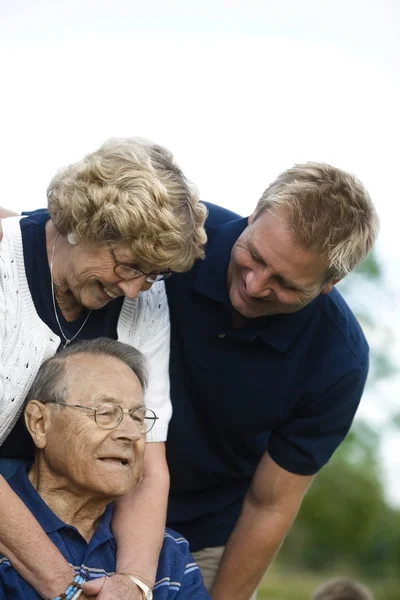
[[288, 384], [177, 575]]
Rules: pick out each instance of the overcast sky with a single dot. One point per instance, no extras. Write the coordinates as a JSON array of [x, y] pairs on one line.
[[238, 90]]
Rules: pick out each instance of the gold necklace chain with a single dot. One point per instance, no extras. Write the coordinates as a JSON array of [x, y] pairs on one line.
[[67, 340]]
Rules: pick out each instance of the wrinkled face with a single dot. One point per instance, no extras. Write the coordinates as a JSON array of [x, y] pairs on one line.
[[97, 462], [91, 277], [269, 273]]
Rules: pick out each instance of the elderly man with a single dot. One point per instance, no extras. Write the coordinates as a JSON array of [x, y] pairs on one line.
[[268, 365], [86, 417]]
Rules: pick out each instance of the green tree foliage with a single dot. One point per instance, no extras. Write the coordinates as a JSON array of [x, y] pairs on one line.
[[345, 524], [370, 268], [364, 290]]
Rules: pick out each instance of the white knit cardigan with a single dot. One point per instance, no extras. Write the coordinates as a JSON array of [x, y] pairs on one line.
[[26, 341]]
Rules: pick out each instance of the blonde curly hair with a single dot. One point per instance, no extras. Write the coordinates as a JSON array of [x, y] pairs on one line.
[[131, 191]]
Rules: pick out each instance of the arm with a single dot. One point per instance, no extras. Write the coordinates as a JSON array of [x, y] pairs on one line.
[[144, 324], [304, 443], [139, 519], [138, 525], [141, 515], [268, 512], [23, 541], [4, 213]]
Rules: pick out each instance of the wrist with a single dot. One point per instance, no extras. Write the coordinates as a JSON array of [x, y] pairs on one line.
[[60, 581], [73, 589], [142, 575], [146, 592]]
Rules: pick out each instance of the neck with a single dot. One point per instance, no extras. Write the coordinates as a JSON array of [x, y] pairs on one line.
[[58, 255], [74, 506]]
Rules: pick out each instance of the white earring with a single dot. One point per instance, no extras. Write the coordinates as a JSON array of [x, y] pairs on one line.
[[72, 238]]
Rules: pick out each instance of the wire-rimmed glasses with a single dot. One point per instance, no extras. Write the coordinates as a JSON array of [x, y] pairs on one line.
[[109, 415], [128, 272]]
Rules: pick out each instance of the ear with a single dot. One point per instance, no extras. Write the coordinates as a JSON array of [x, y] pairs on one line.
[[37, 421], [328, 286], [251, 218]]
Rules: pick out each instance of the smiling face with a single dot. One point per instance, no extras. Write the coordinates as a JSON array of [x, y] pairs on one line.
[[91, 279], [269, 272], [94, 462]]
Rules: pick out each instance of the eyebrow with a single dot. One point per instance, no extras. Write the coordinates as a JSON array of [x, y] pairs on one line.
[[120, 262], [287, 282], [104, 399], [255, 254], [135, 266]]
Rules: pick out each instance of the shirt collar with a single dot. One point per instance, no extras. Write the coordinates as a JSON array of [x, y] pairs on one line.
[[211, 276], [279, 331], [49, 522]]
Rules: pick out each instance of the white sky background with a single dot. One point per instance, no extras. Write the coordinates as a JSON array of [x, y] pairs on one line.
[[239, 90]]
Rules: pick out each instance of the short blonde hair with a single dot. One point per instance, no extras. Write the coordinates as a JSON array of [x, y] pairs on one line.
[[131, 191], [330, 211], [342, 589]]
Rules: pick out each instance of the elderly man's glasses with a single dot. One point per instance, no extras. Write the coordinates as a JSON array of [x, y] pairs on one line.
[[128, 273], [110, 415]]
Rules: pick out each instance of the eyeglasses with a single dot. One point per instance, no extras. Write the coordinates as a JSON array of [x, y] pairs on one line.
[[128, 273], [110, 415]]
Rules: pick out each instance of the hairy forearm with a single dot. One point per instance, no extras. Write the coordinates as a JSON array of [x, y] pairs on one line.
[[28, 548], [139, 519], [250, 549]]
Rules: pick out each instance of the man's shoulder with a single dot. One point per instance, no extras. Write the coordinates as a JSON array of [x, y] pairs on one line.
[[175, 539], [174, 556], [177, 573], [175, 548], [218, 216], [341, 329]]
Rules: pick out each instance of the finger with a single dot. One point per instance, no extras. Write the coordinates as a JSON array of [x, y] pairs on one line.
[[93, 587]]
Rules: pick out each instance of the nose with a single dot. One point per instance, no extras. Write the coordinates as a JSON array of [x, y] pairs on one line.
[[132, 287], [256, 286], [127, 430]]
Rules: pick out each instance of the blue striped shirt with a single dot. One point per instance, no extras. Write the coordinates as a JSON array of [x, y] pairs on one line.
[[178, 577]]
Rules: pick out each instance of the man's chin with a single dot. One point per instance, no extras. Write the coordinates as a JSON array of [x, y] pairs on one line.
[[123, 490], [248, 312], [114, 492]]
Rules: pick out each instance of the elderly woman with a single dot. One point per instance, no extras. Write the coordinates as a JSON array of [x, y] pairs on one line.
[[91, 392], [118, 223]]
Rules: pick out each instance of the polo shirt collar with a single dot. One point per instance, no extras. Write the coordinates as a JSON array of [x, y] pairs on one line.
[[279, 331], [211, 276], [284, 329], [49, 522]]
